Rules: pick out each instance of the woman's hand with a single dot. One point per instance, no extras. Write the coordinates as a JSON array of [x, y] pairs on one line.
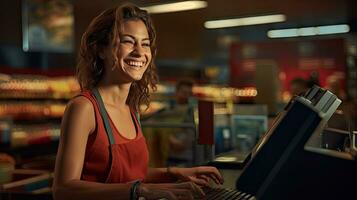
[[171, 191], [199, 175], [152, 193]]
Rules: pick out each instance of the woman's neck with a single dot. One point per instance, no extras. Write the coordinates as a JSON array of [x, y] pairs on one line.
[[113, 94]]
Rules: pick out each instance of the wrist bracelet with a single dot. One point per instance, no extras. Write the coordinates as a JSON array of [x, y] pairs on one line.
[[133, 190]]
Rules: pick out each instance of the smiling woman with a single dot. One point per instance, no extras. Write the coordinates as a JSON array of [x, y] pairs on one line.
[[108, 35], [133, 55], [102, 151]]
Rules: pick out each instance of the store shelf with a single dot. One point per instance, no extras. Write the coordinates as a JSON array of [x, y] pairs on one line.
[[38, 87], [31, 108]]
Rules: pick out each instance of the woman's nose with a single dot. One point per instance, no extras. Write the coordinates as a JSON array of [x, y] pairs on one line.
[[138, 50]]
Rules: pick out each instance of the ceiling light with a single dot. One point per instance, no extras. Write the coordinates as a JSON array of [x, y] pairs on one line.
[[245, 21], [333, 29], [309, 31], [292, 32], [175, 7]]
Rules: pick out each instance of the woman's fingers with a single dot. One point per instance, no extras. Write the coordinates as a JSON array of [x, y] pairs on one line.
[[183, 194], [160, 194], [176, 191], [204, 177], [195, 189], [211, 172], [198, 190], [200, 181], [154, 192], [217, 175], [176, 194]]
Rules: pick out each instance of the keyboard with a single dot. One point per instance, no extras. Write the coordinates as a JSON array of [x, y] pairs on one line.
[[226, 194]]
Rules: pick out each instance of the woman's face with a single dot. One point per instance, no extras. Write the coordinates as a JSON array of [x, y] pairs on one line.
[[134, 54]]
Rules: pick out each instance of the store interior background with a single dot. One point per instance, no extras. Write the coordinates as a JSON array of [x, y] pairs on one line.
[[31, 105]]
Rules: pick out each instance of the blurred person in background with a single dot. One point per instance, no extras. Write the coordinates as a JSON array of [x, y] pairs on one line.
[[102, 153], [182, 140], [314, 79], [298, 86], [183, 92], [334, 86], [172, 146]]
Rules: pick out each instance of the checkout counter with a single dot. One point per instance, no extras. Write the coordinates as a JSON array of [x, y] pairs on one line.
[[287, 164]]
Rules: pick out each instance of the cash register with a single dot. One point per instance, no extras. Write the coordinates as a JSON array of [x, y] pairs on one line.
[[283, 165]]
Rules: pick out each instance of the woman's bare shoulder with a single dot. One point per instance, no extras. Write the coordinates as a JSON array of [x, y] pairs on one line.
[[81, 102], [80, 110]]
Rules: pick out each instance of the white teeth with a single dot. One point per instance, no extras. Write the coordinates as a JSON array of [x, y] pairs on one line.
[[135, 63]]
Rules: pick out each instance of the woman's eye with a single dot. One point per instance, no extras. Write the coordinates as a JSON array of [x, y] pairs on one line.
[[146, 44], [127, 42]]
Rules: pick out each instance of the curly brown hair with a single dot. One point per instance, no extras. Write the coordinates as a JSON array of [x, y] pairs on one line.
[[104, 30]]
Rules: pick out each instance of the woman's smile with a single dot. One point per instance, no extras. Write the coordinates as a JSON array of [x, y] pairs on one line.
[[134, 63]]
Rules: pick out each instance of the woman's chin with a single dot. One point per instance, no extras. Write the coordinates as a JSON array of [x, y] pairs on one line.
[[137, 77]]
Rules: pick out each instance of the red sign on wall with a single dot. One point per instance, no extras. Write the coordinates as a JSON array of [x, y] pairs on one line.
[[326, 57]]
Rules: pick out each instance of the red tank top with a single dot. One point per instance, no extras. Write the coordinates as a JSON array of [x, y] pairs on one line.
[[109, 157]]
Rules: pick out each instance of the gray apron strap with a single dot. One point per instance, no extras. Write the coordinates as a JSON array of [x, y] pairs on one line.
[[104, 115], [138, 118]]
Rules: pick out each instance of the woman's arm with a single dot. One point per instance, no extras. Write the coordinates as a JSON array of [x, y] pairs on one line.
[[199, 175], [77, 123], [77, 190], [159, 175]]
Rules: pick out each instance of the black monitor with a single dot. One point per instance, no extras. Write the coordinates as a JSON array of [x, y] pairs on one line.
[[283, 167]]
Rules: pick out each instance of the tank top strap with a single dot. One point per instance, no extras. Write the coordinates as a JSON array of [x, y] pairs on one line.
[[104, 115], [137, 116]]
